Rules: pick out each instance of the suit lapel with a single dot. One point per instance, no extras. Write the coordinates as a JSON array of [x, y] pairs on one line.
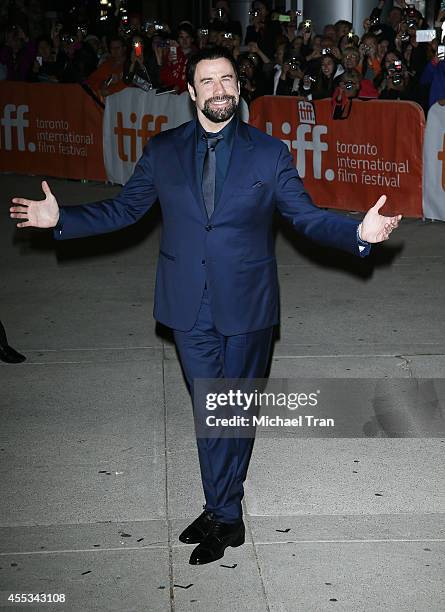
[[239, 164], [186, 149]]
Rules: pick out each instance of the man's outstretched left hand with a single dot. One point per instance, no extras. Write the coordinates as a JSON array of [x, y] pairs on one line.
[[375, 227]]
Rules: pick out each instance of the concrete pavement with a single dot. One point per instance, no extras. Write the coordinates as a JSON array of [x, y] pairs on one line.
[[99, 467]]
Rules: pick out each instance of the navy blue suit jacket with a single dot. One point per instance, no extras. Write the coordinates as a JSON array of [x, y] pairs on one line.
[[234, 251]]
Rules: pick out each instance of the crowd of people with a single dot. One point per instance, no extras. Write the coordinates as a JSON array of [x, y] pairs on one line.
[[106, 52]]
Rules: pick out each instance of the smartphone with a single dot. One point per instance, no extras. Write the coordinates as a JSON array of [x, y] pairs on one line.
[[284, 18], [138, 49], [425, 35], [39, 60]]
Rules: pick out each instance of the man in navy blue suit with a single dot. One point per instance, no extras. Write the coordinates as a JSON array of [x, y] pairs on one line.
[[219, 182]]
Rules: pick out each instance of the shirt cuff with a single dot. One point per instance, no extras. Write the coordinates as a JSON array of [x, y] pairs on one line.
[[364, 247], [57, 231]]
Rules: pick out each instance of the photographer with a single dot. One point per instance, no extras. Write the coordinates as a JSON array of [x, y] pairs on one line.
[[416, 55], [141, 69], [252, 82], [289, 28], [377, 27], [348, 88], [262, 29], [18, 54], [231, 41], [108, 78], [79, 59], [48, 66], [291, 76], [322, 83], [220, 19], [395, 84], [173, 59], [351, 59], [369, 64]]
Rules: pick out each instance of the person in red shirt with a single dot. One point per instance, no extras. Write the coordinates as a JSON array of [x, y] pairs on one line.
[[173, 59], [107, 79]]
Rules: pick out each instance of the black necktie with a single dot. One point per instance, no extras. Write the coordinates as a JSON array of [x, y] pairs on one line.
[[209, 174]]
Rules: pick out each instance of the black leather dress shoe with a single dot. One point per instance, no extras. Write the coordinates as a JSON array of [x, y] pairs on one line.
[[216, 541], [10, 355], [196, 531]]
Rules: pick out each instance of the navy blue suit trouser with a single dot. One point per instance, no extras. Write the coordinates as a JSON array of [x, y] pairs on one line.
[[206, 353]]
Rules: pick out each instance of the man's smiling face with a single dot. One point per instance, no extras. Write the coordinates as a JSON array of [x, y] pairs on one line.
[[216, 90]]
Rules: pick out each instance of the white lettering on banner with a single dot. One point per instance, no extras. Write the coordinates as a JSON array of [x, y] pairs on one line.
[[131, 118], [308, 138], [18, 122], [306, 112], [378, 171], [434, 164], [69, 143]]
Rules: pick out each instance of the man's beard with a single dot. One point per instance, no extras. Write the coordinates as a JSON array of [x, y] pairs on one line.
[[219, 115]]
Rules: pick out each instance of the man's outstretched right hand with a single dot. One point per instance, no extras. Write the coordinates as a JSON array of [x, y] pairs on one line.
[[36, 213]]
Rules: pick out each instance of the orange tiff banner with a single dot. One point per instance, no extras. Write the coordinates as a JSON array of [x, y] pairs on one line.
[[349, 163], [50, 129]]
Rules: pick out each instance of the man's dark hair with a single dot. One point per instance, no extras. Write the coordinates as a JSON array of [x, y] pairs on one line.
[[209, 53]]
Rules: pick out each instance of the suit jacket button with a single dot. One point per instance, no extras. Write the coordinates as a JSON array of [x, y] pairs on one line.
[[203, 261], [208, 228]]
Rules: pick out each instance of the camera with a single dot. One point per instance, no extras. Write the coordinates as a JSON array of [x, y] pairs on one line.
[[349, 85], [441, 53], [395, 72], [68, 39], [39, 60], [307, 82], [203, 32], [308, 25], [326, 51], [220, 13], [254, 13], [411, 23], [159, 26], [142, 83], [374, 21], [148, 25], [228, 35]]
